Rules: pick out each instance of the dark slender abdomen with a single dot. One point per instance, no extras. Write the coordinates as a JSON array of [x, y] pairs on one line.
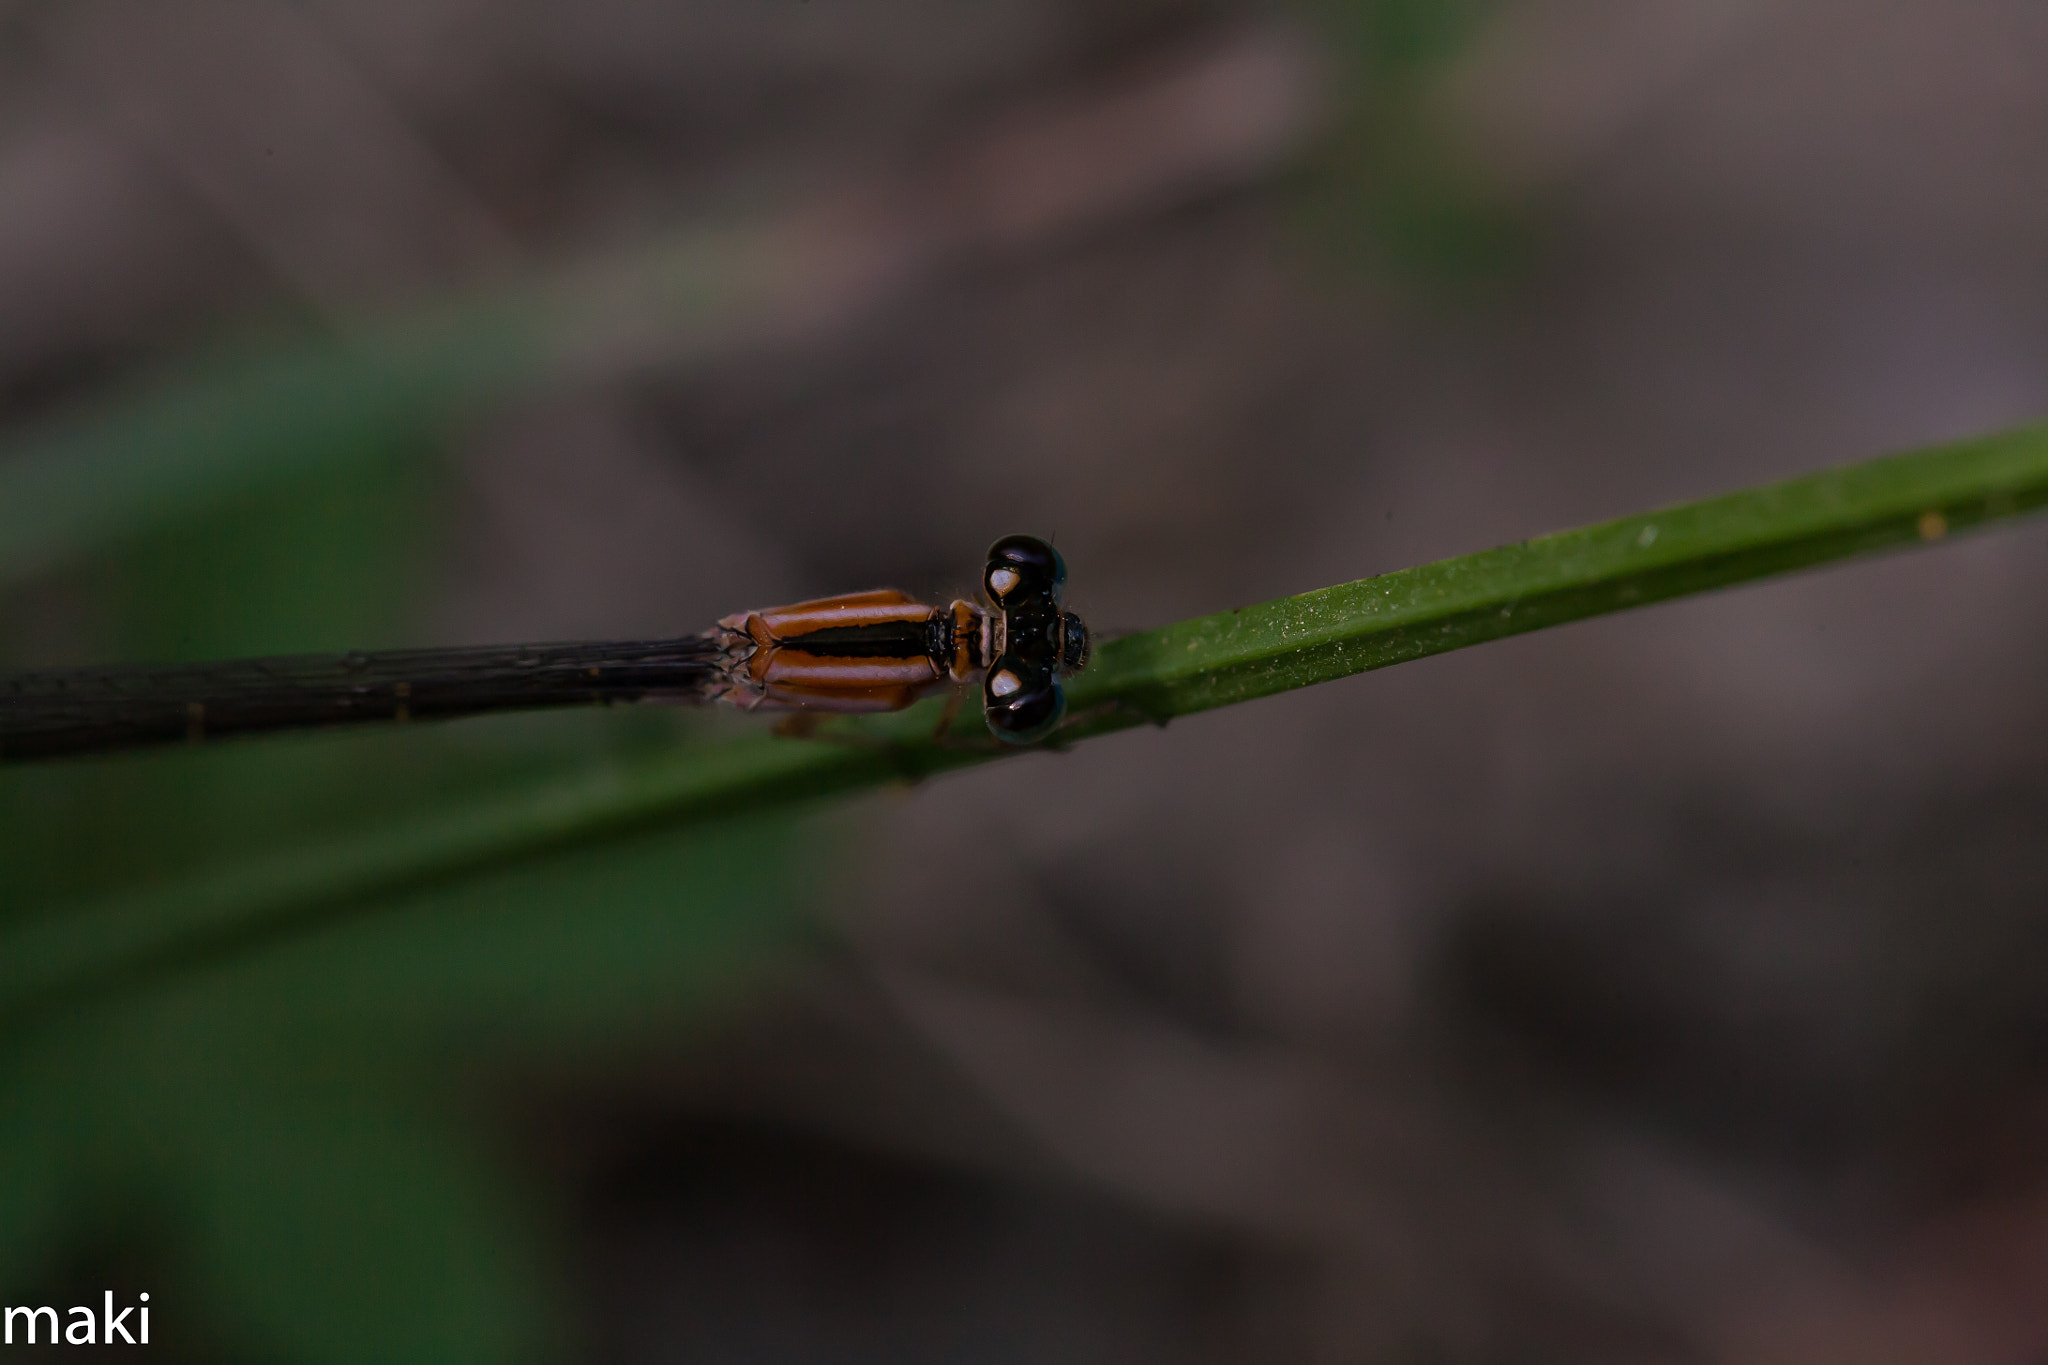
[[89, 710]]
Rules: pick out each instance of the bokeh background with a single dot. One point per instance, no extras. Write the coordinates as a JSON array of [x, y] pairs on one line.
[[1668, 988]]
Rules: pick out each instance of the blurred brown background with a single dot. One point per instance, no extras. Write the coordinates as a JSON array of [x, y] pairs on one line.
[[1670, 988]]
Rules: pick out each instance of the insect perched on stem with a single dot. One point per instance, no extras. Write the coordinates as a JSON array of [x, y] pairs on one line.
[[868, 651], [880, 651]]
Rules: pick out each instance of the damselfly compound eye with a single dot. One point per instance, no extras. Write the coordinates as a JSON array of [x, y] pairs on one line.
[[1030, 704], [1024, 566]]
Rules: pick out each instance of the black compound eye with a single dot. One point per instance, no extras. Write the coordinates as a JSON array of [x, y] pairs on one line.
[[1021, 567], [1023, 701]]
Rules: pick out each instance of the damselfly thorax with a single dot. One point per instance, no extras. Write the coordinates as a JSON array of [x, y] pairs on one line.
[[868, 651]]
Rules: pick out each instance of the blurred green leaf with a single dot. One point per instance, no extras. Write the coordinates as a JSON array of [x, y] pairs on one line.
[[289, 1117], [1393, 188], [1391, 40]]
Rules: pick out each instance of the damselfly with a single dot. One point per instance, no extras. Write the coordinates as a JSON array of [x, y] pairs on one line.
[[868, 651]]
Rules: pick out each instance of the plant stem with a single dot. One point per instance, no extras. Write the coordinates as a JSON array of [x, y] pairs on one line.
[[1196, 665]]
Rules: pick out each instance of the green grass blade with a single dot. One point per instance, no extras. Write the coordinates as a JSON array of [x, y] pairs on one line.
[[1196, 665], [1254, 652]]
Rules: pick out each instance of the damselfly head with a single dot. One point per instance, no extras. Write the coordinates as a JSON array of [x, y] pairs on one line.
[[1022, 696]]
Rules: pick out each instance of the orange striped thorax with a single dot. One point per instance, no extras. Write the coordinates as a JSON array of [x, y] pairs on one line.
[[866, 651]]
